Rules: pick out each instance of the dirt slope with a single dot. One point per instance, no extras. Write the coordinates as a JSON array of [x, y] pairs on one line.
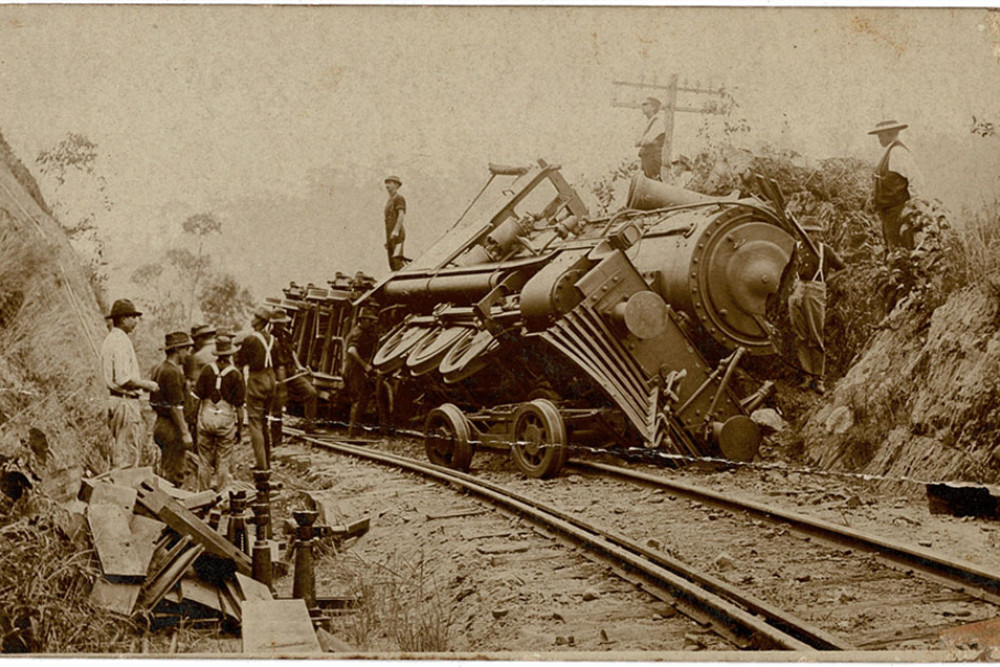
[[51, 328], [922, 402]]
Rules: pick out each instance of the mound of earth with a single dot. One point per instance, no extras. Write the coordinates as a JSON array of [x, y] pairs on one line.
[[923, 401], [51, 327]]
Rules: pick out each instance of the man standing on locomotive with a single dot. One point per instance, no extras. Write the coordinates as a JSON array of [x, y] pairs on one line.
[[292, 378], [257, 356], [807, 307], [357, 369], [897, 181], [395, 233], [650, 142]]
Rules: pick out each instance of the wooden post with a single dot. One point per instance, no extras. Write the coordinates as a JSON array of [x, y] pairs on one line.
[[669, 106]]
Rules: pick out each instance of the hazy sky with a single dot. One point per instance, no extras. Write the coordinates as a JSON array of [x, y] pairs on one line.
[[284, 120]]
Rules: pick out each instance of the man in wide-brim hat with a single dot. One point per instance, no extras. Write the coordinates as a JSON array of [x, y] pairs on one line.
[[221, 394], [171, 432], [123, 381], [395, 233], [897, 180]]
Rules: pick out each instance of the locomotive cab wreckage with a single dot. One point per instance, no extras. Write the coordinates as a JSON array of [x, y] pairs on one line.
[[534, 325]]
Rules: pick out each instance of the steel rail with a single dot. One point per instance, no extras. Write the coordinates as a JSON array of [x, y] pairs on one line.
[[746, 617], [965, 577]]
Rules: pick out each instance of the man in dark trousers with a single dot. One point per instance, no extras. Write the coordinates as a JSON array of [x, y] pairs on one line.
[[171, 432], [807, 306], [257, 356], [897, 180], [221, 393], [361, 343], [292, 378], [203, 353], [650, 142], [395, 233]]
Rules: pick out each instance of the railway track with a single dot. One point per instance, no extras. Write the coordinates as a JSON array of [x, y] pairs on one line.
[[743, 619], [749, 616]]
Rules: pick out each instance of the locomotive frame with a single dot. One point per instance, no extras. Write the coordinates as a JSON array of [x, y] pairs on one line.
[[533, 325]]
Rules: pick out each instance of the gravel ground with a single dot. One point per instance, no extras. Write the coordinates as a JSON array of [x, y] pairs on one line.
[[440, 571]]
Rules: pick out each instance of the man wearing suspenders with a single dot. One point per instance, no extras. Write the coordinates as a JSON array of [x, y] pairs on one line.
[[807, 308], [256, 355], [221, 394]]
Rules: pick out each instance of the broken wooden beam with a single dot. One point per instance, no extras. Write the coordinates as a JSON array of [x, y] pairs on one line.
[[185, 522]]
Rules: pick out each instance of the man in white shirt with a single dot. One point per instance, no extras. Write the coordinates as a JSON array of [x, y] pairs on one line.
[[897, 180], [121, 376], [650, 142]]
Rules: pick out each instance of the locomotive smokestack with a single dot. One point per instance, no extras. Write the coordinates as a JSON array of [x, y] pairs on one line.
[[646, 194]]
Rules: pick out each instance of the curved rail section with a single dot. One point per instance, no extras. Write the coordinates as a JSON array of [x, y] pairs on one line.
[[747, 621], [962, 576]]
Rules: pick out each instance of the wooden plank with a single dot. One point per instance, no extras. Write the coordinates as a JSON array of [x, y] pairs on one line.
[[112, 535], [196, 590], [116, 597], [252, 590], [130, 477], [232, 598], [146, 533], [187, 523], [278, 627], [105, 493], [201, 500]]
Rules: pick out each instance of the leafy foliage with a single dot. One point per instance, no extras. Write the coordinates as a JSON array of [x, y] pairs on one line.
[[224, 302]]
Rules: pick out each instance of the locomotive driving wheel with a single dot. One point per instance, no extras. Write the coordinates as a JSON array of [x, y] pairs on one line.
[[539, 448], [446, 438]]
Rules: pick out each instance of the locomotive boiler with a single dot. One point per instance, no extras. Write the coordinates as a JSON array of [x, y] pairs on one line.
[[534, 325]]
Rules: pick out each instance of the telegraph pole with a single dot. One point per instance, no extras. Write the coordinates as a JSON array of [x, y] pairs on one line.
[[670, 106]]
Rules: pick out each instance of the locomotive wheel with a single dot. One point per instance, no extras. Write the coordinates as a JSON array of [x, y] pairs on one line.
[[392, 354], [467, 356], [446, 438], [426, 356], [539, 448]]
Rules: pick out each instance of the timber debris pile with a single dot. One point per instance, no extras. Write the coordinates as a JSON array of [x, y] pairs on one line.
[[155, 556]]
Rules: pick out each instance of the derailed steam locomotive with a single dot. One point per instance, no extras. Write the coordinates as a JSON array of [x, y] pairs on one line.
[[534, 325]]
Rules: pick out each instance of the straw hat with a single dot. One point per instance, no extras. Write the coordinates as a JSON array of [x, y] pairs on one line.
[[888, 126]]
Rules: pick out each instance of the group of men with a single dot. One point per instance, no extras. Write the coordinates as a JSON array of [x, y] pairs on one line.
[[199, 393], [897, 180]]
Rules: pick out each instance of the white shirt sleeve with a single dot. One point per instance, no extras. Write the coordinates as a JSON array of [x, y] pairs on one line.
[[901, 161]]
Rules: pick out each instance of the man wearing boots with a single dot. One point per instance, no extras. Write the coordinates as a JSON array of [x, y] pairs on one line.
[[256, 355], [171, 432], [292, 378], [357, 370], [121, 377], [221, 394]]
